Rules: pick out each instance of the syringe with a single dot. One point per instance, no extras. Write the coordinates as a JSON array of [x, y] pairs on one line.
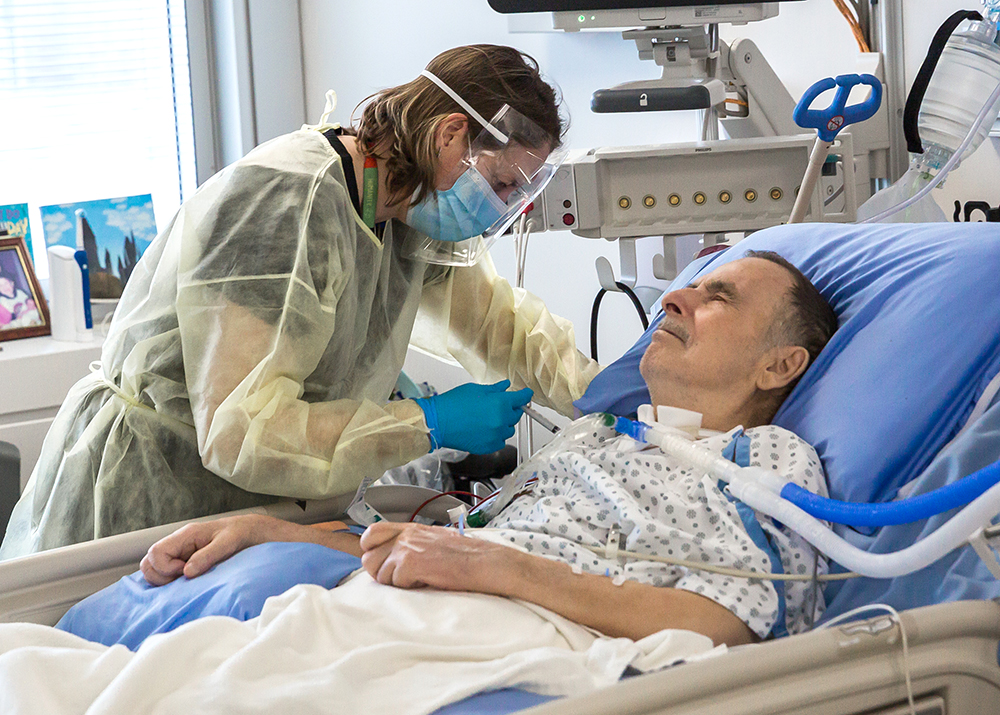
[[540, 419]]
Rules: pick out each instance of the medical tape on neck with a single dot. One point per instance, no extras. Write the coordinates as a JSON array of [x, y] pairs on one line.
[[466, 106]]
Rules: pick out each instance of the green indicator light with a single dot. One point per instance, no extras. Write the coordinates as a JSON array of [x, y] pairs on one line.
[[593, 17], [582, 18]]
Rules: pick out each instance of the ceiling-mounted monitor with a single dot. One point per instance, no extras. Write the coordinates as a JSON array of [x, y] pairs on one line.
[[681, 36], [510, 6], [574, 15]]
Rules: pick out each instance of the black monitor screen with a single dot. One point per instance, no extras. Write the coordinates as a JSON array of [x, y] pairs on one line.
[[513, 6]]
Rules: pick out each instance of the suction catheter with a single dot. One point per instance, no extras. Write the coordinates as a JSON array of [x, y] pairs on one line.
[[799, 509]]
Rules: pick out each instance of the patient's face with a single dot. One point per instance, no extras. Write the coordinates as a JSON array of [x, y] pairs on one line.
[[709, 344]]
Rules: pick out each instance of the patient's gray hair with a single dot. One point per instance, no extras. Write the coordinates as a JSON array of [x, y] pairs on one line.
[[808, 320]]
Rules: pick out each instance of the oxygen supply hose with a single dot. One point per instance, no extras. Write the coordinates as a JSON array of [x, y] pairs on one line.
[[762, 491]]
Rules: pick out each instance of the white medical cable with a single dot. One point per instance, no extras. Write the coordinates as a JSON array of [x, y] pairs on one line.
[[522, 230], [949, 165], [895, 617], [815, 588], [521, 233], [721, 570]]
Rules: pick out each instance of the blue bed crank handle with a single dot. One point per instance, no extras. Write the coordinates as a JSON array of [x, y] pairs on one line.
[[828, 122]]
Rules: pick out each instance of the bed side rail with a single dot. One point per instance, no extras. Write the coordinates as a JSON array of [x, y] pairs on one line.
[[852, 669]]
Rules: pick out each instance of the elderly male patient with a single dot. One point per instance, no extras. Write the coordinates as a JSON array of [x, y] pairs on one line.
[[731, 346]]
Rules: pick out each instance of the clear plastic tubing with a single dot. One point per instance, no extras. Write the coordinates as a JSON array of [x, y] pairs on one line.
[[952, 162], [760, 490], [974, 54]]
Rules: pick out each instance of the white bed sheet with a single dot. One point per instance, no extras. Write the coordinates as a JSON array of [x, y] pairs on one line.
[[361, 647]]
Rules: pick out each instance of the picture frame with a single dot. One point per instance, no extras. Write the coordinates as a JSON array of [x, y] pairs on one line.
[[23, 310]]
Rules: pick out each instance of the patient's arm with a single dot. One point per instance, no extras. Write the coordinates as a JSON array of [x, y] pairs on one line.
[[412, 556], [195, 548]]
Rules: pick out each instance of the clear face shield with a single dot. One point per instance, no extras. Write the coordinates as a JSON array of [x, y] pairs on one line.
[[508, 165]]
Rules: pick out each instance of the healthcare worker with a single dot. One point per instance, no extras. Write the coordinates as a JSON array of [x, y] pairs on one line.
[[256, 344]]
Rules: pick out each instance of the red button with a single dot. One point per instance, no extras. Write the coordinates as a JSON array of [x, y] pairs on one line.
[[531, 207], [569, 219]]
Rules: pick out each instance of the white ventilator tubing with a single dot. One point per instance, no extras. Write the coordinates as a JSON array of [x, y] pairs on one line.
[[760, 490], [949, 165]]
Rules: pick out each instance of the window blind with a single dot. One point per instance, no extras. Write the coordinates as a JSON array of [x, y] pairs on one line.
[[94, 103]]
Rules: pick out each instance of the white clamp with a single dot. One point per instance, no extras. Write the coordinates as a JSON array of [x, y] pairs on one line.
[[613, 543], [980, 542]]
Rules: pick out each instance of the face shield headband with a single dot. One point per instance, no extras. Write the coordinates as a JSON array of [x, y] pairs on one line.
[[507, 167]]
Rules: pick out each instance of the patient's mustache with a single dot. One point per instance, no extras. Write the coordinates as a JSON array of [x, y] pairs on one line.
[[675, 328]]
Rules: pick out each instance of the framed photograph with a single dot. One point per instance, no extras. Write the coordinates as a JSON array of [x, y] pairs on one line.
[[23, 311]]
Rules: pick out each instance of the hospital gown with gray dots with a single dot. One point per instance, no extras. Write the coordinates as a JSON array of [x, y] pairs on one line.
[[590, 481]]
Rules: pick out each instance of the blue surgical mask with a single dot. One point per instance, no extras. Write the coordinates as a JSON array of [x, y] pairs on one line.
[[465, 210]]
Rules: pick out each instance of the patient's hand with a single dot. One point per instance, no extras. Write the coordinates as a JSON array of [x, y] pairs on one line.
[[414, 556], [195, 548]]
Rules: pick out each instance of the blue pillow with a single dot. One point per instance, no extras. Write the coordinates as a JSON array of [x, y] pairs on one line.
[[918, 342], [131, 610]]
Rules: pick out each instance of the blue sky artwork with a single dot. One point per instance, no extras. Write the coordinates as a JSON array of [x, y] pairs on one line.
[[111, 220]]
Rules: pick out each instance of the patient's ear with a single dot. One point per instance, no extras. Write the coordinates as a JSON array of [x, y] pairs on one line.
[[781, 366]]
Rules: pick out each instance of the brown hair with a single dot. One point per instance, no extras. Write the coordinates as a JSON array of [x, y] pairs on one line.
[[398, 124]]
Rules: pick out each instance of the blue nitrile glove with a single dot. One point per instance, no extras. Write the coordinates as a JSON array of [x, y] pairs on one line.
[[474, 418]]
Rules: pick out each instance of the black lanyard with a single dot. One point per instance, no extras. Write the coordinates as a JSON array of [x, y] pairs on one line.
[[367, 209]]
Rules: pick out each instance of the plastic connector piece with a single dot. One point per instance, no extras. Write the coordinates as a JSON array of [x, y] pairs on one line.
[[613, 543], [631, 428], [459, 516], [477, 520]]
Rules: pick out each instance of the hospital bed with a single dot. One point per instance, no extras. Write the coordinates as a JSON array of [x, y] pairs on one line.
[[913, 416]]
